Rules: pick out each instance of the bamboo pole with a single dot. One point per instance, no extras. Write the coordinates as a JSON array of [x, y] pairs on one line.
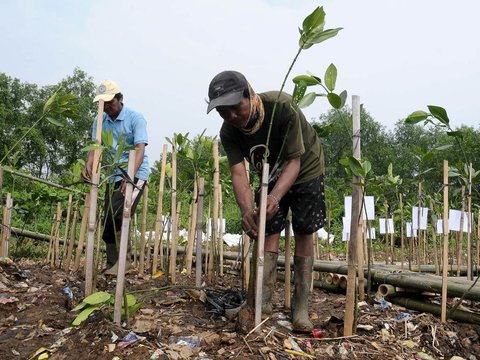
[[434, 240], [158, 220], [385, 206], [167, 242], [148, 247], [67, 224], [83, 229], [141, 266], [173, 254], [445, 242], [329, 218], [402, 239], [208, 254], [7, 220], [478, 239], [97, 250], [354, 226], [191, 230], [93, 204], [260, 246], [392, 241], [246, 241], [135, 241], [199, 231], [460, 233], [288, 272], [220, 228], [56, 259], [173, 211], [419, 217], [51, 238], [216, 197], [122, 254], [469, 224], [73, 229]]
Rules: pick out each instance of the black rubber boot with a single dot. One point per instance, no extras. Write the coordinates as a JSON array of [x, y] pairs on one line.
[[303, 278], [112, 254], [128, 264]]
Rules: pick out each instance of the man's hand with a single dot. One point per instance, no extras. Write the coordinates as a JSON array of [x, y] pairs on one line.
[[86, 173], [249, 223], [273, 205]]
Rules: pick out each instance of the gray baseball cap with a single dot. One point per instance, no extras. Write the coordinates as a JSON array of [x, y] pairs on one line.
[[226, 89]]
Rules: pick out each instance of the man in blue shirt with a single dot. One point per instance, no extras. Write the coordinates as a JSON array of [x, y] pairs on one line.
[[130, 126]]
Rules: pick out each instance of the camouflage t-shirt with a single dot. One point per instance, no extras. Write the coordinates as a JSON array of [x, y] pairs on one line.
[[291, 137]]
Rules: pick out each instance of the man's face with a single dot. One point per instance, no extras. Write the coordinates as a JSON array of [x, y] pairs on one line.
[[113, 107], [236, 115]]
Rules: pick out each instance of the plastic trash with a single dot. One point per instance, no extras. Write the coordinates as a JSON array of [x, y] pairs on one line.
[[191, 341], [158, 355], [382, 304], [318, 334], [401, 317], [128, 340], [68, 292]]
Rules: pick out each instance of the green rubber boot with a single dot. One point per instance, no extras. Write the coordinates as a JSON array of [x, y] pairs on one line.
[[269, 280], [303, 278], [128, 264]]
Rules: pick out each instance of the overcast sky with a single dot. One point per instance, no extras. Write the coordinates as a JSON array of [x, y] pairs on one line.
[[398, 56]]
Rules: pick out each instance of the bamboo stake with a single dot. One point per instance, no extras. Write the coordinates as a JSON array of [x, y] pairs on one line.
[[73, 229], [419, 232], [56, 259], [148, 247], [355, 235], [208, 242], [260, 245], [174, 210], [288, 272], [216, 197], [83, 229], [173, 254], [460, 233], [1, 200], [199, 231], [158, 221], [141, 266], [7, 219], [122, 254], [392, 241], [191, 230], [220, 228], [469, 225], [434, 240], [97, 251], [135, 240], [445, 242], [478, 239], [385, 205], [52, 232], [329, 218], [167, 242], [67, 224], [402, 239], [93, 204], [246, 241]]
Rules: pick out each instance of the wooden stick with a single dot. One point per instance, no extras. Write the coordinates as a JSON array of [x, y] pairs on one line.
[[135, 240], [220, 227], [402, 238], [73, 229], [419, 217], [159, 221], [246, 240], [174, 209], [199, 231], [97, 251], [260, 245], [56, 259], [141, 266], [122, 256], [83, 229], [434, 240], [148, 248], [214, 237], [385, 205], [288, 272], [7, 219], [52, 231], [460, 233], [192, 228], [445, 242], [93, 204], [67, 224], [478, 239], [469, 224], [355, 235], [208, 239], [173, 254]]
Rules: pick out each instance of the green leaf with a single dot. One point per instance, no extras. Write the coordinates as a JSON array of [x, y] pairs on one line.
[[107, 138], [84, 315], [331, 77], [131, 300], [439, 113], [319, 37], [316, 20], [457, 134], [49, 102], [390, 170], [334, 100], [323, 131], [416, 117], [308, 80], [79, 306], [343, 97], [298, 92], [307, 100], [97, 298], [443, 147], [428, 156], [356, 166], [55, 121], [367, 166]]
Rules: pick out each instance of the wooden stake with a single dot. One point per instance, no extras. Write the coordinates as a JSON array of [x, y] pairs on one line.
[[288, 272], [445, 242], [392, 242], [402, 239], [7, 219], [135, 241], [385, 205], [173, 254], [216, 197], [260, 245], [93, 204], [56, 259], [246, 241], [469, 224], [73, 229], [97, 251], [192, 228], [460, 234], [141, 266], [199, 231], [172, 264], [434, 240], [83, 230], [159, 220], [122, 254], [220, 227], [354, 227], [52, 238], [67, 224]]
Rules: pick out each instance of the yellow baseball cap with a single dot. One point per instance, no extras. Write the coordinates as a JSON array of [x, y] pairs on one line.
[[106, 90]]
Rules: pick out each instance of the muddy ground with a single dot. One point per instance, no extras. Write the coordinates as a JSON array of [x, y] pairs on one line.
[[35, 323]]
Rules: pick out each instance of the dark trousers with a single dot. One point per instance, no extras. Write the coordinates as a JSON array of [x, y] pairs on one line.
[[113, 208]]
